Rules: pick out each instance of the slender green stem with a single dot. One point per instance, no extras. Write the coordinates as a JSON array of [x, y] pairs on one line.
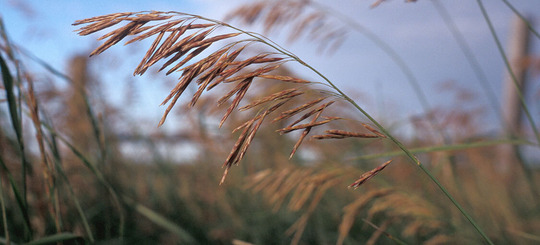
[[470, 57], [394, 56], [509, 68], [522, 18], [446, 148], [3, 206], [469, 218], [396, 240], [52, 142], [14, 109], [266, 41]]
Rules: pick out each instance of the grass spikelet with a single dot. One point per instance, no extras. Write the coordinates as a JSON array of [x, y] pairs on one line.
[[294, 111], [340, 134], [310, 113], [252, 135], [284, 78], [285, 94], [373, 130], [368, 175], [233, 155], [307, 125], [239, 96], [181, 38], [255, 73]]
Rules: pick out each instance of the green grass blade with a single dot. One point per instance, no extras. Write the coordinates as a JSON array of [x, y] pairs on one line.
[[95, 171], [396, 240], [470, 57], [96, 132], [56, 239], [17, 126], [57, 160], [509, 69], [531, 28], [160, 221], [19, 198], [444, 148], [3, 206], [15, 111], [11, 98]]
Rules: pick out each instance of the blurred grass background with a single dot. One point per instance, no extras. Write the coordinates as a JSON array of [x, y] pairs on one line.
[[76, 168]]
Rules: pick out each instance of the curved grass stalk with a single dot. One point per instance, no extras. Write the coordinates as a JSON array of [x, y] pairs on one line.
[[394, 56], [509, 69], [379, 126], [124, 31]]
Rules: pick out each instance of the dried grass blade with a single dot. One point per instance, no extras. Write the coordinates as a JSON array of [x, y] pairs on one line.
[[373, 130], [189, 57], [139, 70], [302, 126], [157, 29], [211, 40], [232, 158], [304, 134], [301, 26], [284, 78], [236, 100], [233, 91], [195, 40], [294, 111], [95, 27], [222, 66], [254, 73], [176, 48], [204, 64], [310, 113], [270, 110], [169, 108], [299, 142], [102, 18], [171, 39], [138, 31], [199, 92], [216, 59], [368, 175], [251, 136], [327, 136], [340, 134], [116, 36], [152, 16], [185, 80], [200, 26], [285, 94], [239, 65]]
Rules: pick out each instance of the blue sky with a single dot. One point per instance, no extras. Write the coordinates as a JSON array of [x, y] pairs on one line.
[[415, 30]]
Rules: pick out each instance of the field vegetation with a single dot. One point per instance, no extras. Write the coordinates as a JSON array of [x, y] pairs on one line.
[[274, 158]]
